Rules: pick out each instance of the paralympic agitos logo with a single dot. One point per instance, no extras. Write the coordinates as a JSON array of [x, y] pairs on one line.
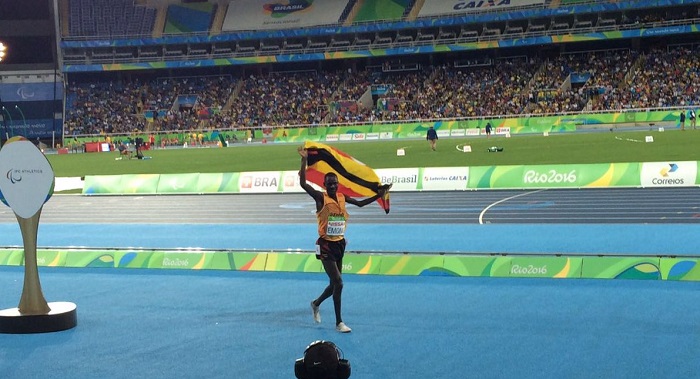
[[278, 10], [15, 175]]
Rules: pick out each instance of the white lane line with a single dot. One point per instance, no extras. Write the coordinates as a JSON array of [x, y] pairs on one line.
[[481, 215]]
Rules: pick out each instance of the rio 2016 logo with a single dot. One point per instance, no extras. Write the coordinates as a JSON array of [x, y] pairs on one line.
[[528, 270], [550, 177]]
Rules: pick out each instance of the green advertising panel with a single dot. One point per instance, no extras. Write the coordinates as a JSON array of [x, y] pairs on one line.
[[132, 259], [11, 257], [376, 10], [177, 183], [50, 258], [680, 269], [545, 267], [140, 184], [121, 184], [487, 177], [410, 264], [610, 175], [555, 176], [102, 184], [514, 266], [621, 268], [184, 260], [218, 183], [470, 265], [95, 259], [362, 264], [579, 175], [293, 262], [243, 261]]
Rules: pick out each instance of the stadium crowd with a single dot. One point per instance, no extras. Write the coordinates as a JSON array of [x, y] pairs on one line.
[[611, 80]]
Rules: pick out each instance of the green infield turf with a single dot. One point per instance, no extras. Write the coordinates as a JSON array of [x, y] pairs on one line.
[[600, 147]]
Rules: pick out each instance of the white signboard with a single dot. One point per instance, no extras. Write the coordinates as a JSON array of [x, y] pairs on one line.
[[290, 181], [447, 7], [267, 15], [445, 178], [669, 174], [403, 179], [473, 132], [26, 177], [259, 182]]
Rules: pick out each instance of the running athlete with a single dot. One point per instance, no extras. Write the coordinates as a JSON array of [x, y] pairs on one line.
[[332, 218]]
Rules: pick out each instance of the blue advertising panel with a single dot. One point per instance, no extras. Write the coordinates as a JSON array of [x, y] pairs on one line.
[[31, 110]]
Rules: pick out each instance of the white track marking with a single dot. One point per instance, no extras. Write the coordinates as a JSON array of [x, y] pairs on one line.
[[481, 215]]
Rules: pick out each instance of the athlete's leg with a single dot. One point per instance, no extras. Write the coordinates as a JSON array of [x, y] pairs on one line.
[[335, 288]]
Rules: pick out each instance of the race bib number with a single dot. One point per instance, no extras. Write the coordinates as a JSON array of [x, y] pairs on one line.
[[336, 226]]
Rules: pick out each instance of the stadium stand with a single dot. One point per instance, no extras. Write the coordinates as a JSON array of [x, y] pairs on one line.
[[109, 18], [497, 77]]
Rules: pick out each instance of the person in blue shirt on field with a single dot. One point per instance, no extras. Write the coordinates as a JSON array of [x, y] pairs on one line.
[[432, 137], [488, 129]]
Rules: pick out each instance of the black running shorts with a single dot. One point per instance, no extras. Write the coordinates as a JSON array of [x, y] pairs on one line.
[[330, 250]]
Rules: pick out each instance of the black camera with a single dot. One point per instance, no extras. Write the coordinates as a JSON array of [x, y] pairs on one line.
[[322, 359]]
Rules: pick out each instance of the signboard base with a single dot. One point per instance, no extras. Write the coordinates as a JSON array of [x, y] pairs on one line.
[[63, 316]]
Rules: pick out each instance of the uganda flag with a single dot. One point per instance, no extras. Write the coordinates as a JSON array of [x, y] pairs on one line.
[[355, 179]]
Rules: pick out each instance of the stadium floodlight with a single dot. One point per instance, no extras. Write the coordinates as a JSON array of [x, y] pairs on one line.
[[3, 48], [24, 120]]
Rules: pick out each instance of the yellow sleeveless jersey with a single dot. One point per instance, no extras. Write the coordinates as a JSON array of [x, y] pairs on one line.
[[332, 218]]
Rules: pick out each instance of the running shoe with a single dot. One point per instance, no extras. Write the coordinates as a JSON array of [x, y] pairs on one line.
[[316, 313], [343, 328]]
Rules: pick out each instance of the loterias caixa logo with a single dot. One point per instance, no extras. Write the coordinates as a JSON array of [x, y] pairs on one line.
[[279, 10]]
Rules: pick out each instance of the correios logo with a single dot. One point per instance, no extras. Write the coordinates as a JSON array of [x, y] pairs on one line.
[[667, 179], [672, 167], [278, 10]]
